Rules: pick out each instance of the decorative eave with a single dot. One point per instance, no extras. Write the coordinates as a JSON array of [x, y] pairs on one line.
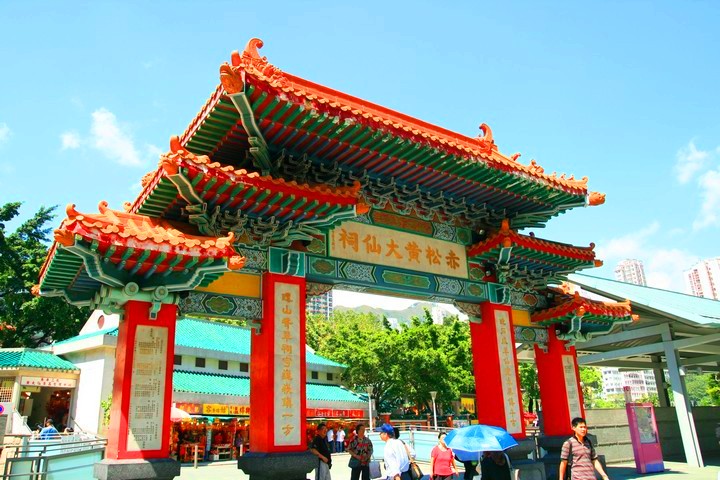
[[541, 258], [115, 249], [569, 306], [258, 105], [338, 104], [581, 318], [220, 198]]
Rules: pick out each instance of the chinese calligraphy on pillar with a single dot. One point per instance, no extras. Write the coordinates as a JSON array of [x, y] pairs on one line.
[[288, 351], [508, 372], [147, 392], [384, 246], [571, 387]]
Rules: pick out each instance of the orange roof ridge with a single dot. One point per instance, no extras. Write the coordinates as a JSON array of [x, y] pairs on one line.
[[171, 161], [509, 237], [129, 229], [314, 95], [581, 306]]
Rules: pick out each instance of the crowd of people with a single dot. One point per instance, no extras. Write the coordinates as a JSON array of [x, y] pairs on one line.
[[579, 460]]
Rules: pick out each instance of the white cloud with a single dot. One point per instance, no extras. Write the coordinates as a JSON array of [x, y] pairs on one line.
[[5, 133], [70, 140], [709, 215], [631, 245], [355, 299], [690, 160], [664, 268], [112, 140]]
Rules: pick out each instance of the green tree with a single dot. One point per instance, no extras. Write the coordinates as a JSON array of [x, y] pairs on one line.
[[27, 320], [402, 365], [591, 381], [714, 389], [529, 385], [699, 388]]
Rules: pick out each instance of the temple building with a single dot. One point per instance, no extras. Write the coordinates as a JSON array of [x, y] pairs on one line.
[[211, 374], [281, 189]]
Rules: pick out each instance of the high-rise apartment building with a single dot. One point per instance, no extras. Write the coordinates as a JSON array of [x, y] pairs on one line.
[[703, 279], [641, 382], [321, 304], [630, 271]]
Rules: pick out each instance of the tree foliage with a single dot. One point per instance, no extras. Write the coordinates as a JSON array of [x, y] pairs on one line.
[[592, 385], [529, 385], [26, 320], [403, 365]]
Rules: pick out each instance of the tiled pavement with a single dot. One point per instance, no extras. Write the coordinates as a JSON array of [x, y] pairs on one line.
[[340, 471]]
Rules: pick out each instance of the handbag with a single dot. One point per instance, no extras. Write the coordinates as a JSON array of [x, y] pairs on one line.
[[415, 472], [354, 463], [375, 469]]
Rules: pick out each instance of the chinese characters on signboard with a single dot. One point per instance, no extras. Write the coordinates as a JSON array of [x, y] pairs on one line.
[[47, 382], [288, 351], [147, 393], [384, 246], [571, 387], [508, 373]]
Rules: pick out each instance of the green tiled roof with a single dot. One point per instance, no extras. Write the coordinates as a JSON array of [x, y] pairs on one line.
[[107, 331], [14, 358], [698, 310], [210, 383], [215, 384], [204, 334]]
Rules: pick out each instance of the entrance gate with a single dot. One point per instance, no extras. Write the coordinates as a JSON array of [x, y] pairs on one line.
[[281, 188]]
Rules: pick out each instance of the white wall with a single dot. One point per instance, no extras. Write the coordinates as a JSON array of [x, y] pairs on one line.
[[95, 385]]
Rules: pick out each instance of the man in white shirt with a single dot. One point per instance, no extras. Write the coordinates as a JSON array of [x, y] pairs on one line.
[[397, 462], [331, 439], [340, 440]]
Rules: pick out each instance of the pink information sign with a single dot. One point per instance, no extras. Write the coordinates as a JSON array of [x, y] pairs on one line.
[[645, 438]]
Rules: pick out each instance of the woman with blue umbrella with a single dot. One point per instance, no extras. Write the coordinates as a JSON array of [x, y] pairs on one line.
[[470, 442]]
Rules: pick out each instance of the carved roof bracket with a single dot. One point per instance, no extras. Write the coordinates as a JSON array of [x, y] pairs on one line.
[[258, 146]]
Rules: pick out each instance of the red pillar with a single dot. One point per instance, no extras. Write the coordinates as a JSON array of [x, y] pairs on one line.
[[559, 380], [277, 368], [142, 384], [497, 385]]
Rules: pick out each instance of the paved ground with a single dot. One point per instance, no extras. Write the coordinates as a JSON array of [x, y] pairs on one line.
[[340, 471]]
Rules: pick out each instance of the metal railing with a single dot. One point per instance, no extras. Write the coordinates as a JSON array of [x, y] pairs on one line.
[[53, 460]]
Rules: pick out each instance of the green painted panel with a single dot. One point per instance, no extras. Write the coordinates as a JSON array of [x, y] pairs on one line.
[[406, 279]]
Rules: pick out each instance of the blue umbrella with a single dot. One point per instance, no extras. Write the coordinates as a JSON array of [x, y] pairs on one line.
[[468, 442]]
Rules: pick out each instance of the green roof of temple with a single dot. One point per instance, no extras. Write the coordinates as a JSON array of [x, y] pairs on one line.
[[215, 384], [703, 311], [22, 357], [207, 335]]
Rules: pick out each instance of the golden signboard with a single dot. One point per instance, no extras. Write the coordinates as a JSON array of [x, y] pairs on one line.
[[392, 248], [214, 409]]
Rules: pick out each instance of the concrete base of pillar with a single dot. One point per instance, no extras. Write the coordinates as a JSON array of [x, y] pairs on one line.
[[152, 469], [271, 466], [529, 469]]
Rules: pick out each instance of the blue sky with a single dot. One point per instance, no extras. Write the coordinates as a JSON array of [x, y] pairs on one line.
[[623, 92]]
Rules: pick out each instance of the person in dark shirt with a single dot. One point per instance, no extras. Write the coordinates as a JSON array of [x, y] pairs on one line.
[[320, 448], [495, 467]]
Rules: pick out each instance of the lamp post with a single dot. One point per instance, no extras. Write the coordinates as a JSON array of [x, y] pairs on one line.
[[369, 389], [433, 394]]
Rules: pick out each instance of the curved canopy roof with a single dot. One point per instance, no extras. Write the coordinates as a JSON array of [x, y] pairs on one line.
[[260, 113]]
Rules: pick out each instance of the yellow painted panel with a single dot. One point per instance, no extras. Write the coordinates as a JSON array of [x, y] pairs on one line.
[[231, 283], [521, 317]]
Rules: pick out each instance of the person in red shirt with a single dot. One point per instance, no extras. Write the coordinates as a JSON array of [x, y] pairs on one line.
[[442, 461]]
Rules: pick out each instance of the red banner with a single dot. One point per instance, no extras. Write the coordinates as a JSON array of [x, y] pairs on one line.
[[333, 413]]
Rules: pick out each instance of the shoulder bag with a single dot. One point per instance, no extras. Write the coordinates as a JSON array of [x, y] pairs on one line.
[[415, 472]]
